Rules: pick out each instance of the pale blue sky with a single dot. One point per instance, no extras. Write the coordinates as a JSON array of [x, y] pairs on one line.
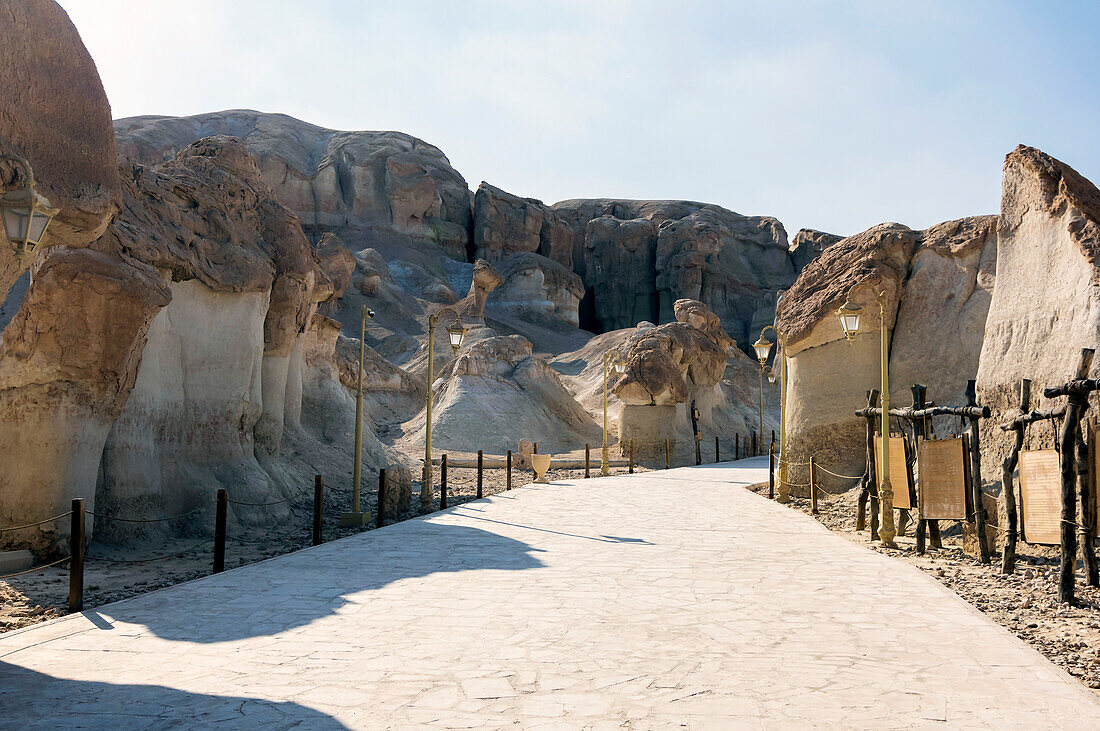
[[830, 115]]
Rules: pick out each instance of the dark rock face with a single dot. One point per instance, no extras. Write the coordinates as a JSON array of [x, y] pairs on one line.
[[808, 243], [506, 224], [384, 185], [637, 258]]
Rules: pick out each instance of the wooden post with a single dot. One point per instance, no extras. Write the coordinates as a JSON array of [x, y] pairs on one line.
[[813, 487], [508, 471], [480, 472], [380, 519], [1085, 530], [976, 477], [753, 453], [667, 456], [867, 488], [771, 473], [221, 510], [716, 457], [535, 448], [737, 446], [1008, 488], [443, 482], [318, 499], [773, 436], [587, 459], [1077, 402], [76, 556], [698, 454], [631, 469]]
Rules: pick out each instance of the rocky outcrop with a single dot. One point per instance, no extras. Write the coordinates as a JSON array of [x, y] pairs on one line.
[[484, 280], [364, 186], [506, 224], [56, 116], [497, 392], [636, 258], [935, 290], [807, 244], [1046, 305], [539, 289], [337, 262]]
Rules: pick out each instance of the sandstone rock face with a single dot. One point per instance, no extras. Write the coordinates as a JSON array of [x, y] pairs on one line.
[[506, 224], [56, 116], [539, 287], [68, 361], [337, 262], [935, 288], [484, 280], [1046, 305], [361, 185], [636, 258], [496, 393], [807, 244]]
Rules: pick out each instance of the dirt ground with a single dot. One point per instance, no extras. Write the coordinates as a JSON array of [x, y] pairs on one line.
[[112, 573], [1026, 602]]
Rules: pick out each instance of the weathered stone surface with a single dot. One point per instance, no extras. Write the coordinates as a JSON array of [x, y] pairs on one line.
[[533, 284], [357, 184], [497, 392], [68, 361], [734, 264], [337, 262], [484, 280], [506, 224], [1046, 305], [56, 116], [935, 286], [807, 244]]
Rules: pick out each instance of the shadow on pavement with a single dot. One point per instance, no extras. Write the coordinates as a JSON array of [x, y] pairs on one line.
[[29, 699], [296, 589]]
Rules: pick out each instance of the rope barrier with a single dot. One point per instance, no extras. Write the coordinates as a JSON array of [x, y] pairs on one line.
[[828, 471], [144, 520], [36, 568], [261, 505], [32, 525]]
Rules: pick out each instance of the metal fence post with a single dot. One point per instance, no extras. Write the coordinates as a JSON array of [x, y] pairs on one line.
[[771, 473], [508, 471], [631, 469], [667, 456], [587, 459], [480, 472], [443, 483], [318, 498], [381, 519], [221, 510], [813, 487]]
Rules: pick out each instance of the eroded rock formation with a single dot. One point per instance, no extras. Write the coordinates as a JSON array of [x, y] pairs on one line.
[[539, 288], [1046, 305], [506, 224]]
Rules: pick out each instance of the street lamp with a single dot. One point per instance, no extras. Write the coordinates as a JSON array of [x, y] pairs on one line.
[[849, 314], [456, 334], [26, 212], [781, 355], [619, 367], [763, 348], [356, 517]]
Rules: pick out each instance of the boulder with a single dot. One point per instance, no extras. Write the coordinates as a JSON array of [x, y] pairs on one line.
[[538, 287], [365, 186], [497, 392], [506, 224], [1046, 305], [935, 287]]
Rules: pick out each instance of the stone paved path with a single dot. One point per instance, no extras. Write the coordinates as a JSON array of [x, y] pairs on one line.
[[667, 599]]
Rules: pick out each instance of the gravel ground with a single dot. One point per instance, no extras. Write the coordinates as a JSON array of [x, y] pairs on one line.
[[116, 572], [1026, 603]]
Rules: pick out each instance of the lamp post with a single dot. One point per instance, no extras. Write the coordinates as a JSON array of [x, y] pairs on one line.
[[619, 367], [356, 517], [26, 212], [781, 355], [849, 314], [456, 333]]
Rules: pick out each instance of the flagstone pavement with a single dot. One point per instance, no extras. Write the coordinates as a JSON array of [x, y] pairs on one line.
[[665, 599]]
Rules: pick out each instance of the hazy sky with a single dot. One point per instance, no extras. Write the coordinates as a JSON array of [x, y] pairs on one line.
[[829, 115]]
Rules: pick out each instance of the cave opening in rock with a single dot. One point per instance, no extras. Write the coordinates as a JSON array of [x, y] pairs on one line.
[[587, 312]]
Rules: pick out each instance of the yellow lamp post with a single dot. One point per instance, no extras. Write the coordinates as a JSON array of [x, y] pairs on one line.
[[356, 517], [456, 334], [619, 368], [762, 347], [849, 314], [26, 212]]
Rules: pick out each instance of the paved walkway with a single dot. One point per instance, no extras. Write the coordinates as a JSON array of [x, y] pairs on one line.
[[665, 599]]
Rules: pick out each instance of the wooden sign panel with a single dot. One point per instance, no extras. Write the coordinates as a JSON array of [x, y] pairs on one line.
[[901, 481], [1041, 496], [942, 467]]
